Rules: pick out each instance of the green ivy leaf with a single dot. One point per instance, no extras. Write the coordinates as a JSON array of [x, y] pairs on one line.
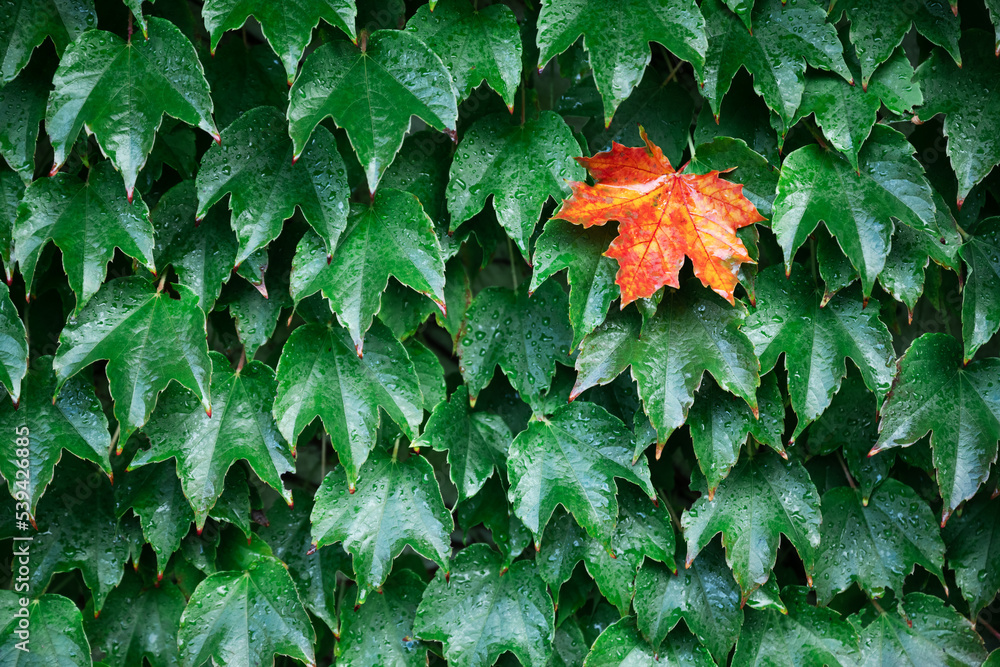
[[380, 632], [720, 424], [202, 254], [315, 574], [287, 26], [321, 375], [981, 296], [138, 622], [481, 610], [395, 69], [156, 497], [922, 632], [973, 539], [74, 422], [875, 543], [762, 498], [520, 166], [491, 508], [391, 237], [523, 334], [28, 22], [396, 504], [430, 373], [849, 425], [572, 459], [11, 192], [13, 347], [475, 45], [785, 37], [935, 391], [245, 618], [148, 339], [476, 442], [759, 178], [120, 90], [847, 113], [877, 28], [255, 315], [205, 447], [857, 208], [956, 91], [22, 108], [254, 164], [78, 530], [643, 531], [704, 594], [621, 644], [86, 220], [591, 275], [619, 56], [693, 331], [790, 319], [56, 632], [806, 635]]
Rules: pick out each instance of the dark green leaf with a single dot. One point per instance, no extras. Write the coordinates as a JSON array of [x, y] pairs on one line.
[[877, 28], [28, 22], [693, 331], [806, 635], [203, 254], [591, 275], [621, 644], [287, 26], [572, 459], [120, 90], [206, 446], [875, 543], [643, 531], [476, 442], [138, 622], [761, 498], [523, 334], [396, 504], [704, 594], [480, 610], [520, 166], [254, 164], [619, 56], [371, 94], [380, 632], [155, 495], [54, 633], [391, 237], [22, 108], [721, 422], [785, 37], [973, 539], [148, 339], [857, 207], [321, 375], [475, 46], [981, 297], [86, 220], [935, 391], [244, 618], [922, 631], [789, 319]]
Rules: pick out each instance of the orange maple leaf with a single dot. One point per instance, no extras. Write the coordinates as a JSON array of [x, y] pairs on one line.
[[664, 215]]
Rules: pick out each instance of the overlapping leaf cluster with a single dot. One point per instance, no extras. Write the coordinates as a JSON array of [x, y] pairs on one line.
[[328, 351]]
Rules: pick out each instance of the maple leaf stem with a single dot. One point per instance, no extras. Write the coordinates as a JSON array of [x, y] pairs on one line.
[[322, 454], [993, 631], [877, 606], [395, 449], [670, 510]]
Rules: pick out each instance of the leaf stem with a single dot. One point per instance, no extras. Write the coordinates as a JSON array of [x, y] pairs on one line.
[[322, 455], [670, 510], [395, 448], [513, 269], [847, 473], [992, 630]]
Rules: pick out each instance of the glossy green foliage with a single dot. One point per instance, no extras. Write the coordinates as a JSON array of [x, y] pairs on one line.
[[120, 90], [298, 367]]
